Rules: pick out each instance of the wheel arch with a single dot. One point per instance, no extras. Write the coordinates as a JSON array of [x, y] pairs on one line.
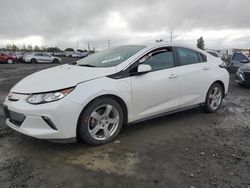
[[221, 84], [112, 96]]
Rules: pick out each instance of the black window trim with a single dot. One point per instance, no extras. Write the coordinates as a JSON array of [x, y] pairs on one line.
[[127, 71], [160, 50]]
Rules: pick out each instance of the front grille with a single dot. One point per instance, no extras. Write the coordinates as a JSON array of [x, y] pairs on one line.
[[14, 117], [247, 76]]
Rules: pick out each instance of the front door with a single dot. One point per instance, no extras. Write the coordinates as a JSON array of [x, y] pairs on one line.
[[157, 91]]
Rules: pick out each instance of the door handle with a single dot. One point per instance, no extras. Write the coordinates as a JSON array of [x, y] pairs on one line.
[[172, 76], [206, 68]]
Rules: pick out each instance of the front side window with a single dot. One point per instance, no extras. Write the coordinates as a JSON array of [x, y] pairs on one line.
[[161, 59], [188, 56], [110, 57]]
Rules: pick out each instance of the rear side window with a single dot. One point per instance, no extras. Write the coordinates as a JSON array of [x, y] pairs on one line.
[[161, 60], [202, 57], [188, 56], [38, 54]]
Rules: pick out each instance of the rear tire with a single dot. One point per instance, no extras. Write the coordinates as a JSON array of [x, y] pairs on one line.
[[101, 121], [214, 98]]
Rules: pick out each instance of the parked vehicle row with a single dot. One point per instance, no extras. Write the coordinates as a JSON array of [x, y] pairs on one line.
[[80, 54], [38, 57]]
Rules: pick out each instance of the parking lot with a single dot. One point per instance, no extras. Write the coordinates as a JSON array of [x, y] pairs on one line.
[[187, 149]]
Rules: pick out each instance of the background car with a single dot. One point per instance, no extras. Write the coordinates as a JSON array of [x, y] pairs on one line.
[[18, 55], [6, 58], [80, 54], [243, 75], [40, 57], [238, 60], [213, 53]]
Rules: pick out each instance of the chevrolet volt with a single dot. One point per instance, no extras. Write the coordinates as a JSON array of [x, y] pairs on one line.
[[95, 97]]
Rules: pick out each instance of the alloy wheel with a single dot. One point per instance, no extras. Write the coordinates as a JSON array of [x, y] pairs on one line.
[[103, 122], [9, 61], [215, 98]]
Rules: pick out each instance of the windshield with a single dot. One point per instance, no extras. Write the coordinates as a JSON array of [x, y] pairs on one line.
[[110, 57]]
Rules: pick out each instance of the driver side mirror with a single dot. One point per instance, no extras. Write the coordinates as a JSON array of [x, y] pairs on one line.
[[144, 68], [244, 61]]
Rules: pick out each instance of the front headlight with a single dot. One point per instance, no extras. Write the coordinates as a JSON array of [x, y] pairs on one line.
[[41, 98], [240, 71]]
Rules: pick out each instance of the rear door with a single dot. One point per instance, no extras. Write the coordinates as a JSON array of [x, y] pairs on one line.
[[194, 74], [157, 91], [38, 57], [47, 58]]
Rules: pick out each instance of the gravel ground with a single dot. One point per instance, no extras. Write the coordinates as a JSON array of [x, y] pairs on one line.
[[187, 149]]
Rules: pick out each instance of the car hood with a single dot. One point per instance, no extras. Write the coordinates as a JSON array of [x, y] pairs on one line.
[[59, 77], [245, 67]]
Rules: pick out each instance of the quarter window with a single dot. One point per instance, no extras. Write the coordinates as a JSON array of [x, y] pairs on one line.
[[161, 60], [202, 57], [188, 56]]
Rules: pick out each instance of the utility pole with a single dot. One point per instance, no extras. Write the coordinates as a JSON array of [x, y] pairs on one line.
[[77, 45], [108, 43], [171, 35], [88, 46]]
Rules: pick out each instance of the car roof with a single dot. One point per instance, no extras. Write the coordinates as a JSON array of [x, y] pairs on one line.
[[170, 44], [211, 51]]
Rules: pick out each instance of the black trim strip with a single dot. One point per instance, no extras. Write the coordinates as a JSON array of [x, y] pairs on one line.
[[132, 71], [49, 122]]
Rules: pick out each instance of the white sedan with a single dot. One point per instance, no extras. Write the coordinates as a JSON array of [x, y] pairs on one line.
[[98, 95], [39, 57]]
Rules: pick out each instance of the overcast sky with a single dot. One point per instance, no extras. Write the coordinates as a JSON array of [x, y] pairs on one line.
[[66, 23]]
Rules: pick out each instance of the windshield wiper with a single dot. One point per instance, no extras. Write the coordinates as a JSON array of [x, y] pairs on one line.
[[86, 65]]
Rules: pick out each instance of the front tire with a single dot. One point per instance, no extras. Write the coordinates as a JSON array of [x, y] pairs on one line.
[[214, 98], [55, 61], [33, 61], [10, 61], [101, 122]]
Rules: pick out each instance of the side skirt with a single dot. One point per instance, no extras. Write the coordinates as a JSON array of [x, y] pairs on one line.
[[167, 113]]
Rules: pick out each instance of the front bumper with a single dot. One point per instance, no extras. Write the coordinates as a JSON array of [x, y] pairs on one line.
[[53, 121], [241, 78]]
